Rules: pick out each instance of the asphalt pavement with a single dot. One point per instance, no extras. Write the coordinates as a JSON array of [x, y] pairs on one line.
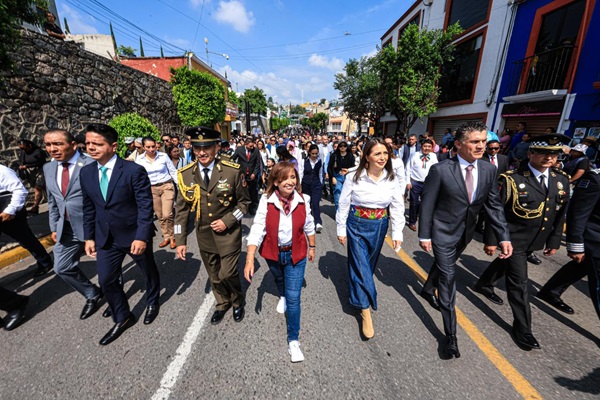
[[54, 355]]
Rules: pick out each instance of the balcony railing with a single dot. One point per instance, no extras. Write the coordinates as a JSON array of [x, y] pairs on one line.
[[542, 71]]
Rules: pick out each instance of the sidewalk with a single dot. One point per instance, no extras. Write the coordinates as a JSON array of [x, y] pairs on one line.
[[11, 252]]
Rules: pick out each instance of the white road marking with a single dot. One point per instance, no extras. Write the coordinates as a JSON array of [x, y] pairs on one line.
[[185, 348]]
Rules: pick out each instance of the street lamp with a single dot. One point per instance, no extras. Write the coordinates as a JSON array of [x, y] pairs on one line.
[[208, 51]]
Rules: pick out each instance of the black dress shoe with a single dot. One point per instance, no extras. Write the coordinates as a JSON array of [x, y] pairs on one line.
[[451, 347], [15, 317], [555, 301], [217, 316], [431, 299], [41, 270], [151, 314], [491, 296], [107, 313], [238, 313], [525, 340], [117, 330], [91, 306], [532, 258]]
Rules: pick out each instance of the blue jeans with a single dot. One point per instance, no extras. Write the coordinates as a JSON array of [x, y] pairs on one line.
[[289, 279], [337, 189], [365, 239]]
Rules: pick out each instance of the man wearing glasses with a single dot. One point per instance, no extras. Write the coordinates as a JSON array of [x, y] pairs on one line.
[[492, 154]]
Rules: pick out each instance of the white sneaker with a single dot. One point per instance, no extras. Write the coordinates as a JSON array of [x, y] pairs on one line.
[[319, 228], [295, 352], [281, 306]]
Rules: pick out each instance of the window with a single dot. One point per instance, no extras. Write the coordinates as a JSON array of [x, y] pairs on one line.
[[415, 21], [560, 27], [458, 76], [468, 12]]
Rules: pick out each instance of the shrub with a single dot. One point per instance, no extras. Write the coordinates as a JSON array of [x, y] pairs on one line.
[[132, 125]]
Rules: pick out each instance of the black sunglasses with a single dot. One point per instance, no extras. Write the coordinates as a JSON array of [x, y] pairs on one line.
[[494, 148]]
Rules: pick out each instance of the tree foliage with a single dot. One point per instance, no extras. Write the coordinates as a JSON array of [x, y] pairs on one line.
[[233, 98], [12, 14], [257, 99], [410, 73], [132, 125], [278, 123], [297, 109], [198, 96], [317, 122], [127, 51]]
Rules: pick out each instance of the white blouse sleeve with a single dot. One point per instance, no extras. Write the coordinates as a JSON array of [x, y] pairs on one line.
[[341, 216], [397, 213], [258, 230]]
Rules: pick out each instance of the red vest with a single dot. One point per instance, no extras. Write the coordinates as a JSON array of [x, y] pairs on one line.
[[269, 249]]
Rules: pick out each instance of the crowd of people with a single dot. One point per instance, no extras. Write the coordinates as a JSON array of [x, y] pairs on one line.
[[517, 192]]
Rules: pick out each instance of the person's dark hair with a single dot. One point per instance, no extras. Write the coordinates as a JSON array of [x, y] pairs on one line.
[[165, 134], [263, 144], [148, 139], [447, 130], [313, 147], [169, 149], [524, 124], [26, 143], [465, 129], [107, 132], [80, 138], [412, 135], [279, 173], [69, 137], [427, 141], [173, 136], [493, 141], [552, 130], [284, 154], [362, 165]]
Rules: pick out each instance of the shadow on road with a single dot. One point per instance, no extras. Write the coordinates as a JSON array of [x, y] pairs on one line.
[[588, 384]]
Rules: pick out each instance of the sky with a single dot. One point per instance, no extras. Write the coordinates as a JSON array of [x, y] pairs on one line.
[[290, 49]]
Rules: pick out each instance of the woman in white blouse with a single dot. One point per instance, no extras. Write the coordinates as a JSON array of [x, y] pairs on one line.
[[371, 196], [282, 224], [163, 175]]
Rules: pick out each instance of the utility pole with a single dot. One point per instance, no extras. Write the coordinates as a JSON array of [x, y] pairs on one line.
[[248, 132]]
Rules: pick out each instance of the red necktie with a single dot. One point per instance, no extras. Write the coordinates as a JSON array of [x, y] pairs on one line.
[[64, 182], [494, 160], [248, 155]]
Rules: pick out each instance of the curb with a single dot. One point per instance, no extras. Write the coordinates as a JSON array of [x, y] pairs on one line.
[[18, 253]]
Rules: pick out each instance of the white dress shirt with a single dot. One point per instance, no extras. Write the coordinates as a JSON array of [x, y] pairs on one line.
[[259, 225], [537, 174], [110, 165], [370, 194], [415, 169], [398, 167], [10, 182], [475, 173], [210, 169], [71, 162], [160, 170]]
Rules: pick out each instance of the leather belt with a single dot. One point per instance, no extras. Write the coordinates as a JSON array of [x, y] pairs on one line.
[[285, 248], [162, 183]]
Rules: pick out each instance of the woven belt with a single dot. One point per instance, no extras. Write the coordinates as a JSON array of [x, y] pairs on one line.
[[369, 213], [162, 183], [285, 248]]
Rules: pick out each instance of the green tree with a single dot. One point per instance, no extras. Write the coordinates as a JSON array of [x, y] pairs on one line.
[[127, 51], [322, 102], [12, 14], [410, 73], [232, 97], [318, 122], [297, 109], [257, 99], [198, 96], [278, 123], [352, 92], [132, 125]]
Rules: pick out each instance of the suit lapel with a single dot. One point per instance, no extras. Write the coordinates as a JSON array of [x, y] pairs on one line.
[[215, 176], [114, 179], [536, 184], [482, 178], [457, 174], [75, 175]]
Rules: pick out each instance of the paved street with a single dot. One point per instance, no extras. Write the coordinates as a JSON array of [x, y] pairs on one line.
[[54, 355]]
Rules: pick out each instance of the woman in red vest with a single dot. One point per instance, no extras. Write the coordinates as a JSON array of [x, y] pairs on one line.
[[281, 226], [371, 196]]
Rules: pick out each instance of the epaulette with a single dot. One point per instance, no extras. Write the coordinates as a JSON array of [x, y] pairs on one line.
[[190, 165], [560, 171], [595, 171], [509, 172], [230, 164]]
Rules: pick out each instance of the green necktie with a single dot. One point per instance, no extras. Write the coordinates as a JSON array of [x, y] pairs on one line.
[[104, 181]]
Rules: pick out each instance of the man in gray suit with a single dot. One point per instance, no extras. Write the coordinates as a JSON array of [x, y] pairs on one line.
[[454, 192], [65, 206]]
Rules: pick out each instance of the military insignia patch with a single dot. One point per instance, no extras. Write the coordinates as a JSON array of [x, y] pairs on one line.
[[526, 174]]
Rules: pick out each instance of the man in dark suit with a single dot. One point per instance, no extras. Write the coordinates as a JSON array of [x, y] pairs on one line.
[[250, 164], [454, 192], [117, 221], [410, 148], [535, 199], [65, 214]]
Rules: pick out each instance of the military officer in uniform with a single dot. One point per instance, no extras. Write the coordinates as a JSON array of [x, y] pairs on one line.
[[535, 198], [215, 192]]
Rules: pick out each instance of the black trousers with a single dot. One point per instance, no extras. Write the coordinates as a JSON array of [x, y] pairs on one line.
[[9, 300], [109, 264], [253, 192], [514, 269], [19, 229], [569, 273], [415, 201]]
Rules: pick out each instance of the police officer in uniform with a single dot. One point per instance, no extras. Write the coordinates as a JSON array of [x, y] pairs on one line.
[[215, 192], [583, 244], [535, 198]]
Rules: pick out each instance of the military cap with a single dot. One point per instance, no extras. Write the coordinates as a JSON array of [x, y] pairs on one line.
[[201, 136], [225, 144], [549, 143]]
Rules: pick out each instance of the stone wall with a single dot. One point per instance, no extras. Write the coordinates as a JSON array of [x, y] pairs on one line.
[[57, 84]]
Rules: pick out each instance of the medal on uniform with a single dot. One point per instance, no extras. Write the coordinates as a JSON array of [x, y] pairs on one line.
[[522, 186], [559, 185], [226, 203]]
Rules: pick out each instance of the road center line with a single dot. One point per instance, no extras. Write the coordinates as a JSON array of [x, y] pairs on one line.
[[185, 348], [521, 385]]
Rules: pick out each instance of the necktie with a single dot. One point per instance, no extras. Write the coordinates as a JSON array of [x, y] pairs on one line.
[[104, 181], [206, 178], [64, 181], [469, 182], [494, 160], [425, 159], [543, 183], [248, 155]]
